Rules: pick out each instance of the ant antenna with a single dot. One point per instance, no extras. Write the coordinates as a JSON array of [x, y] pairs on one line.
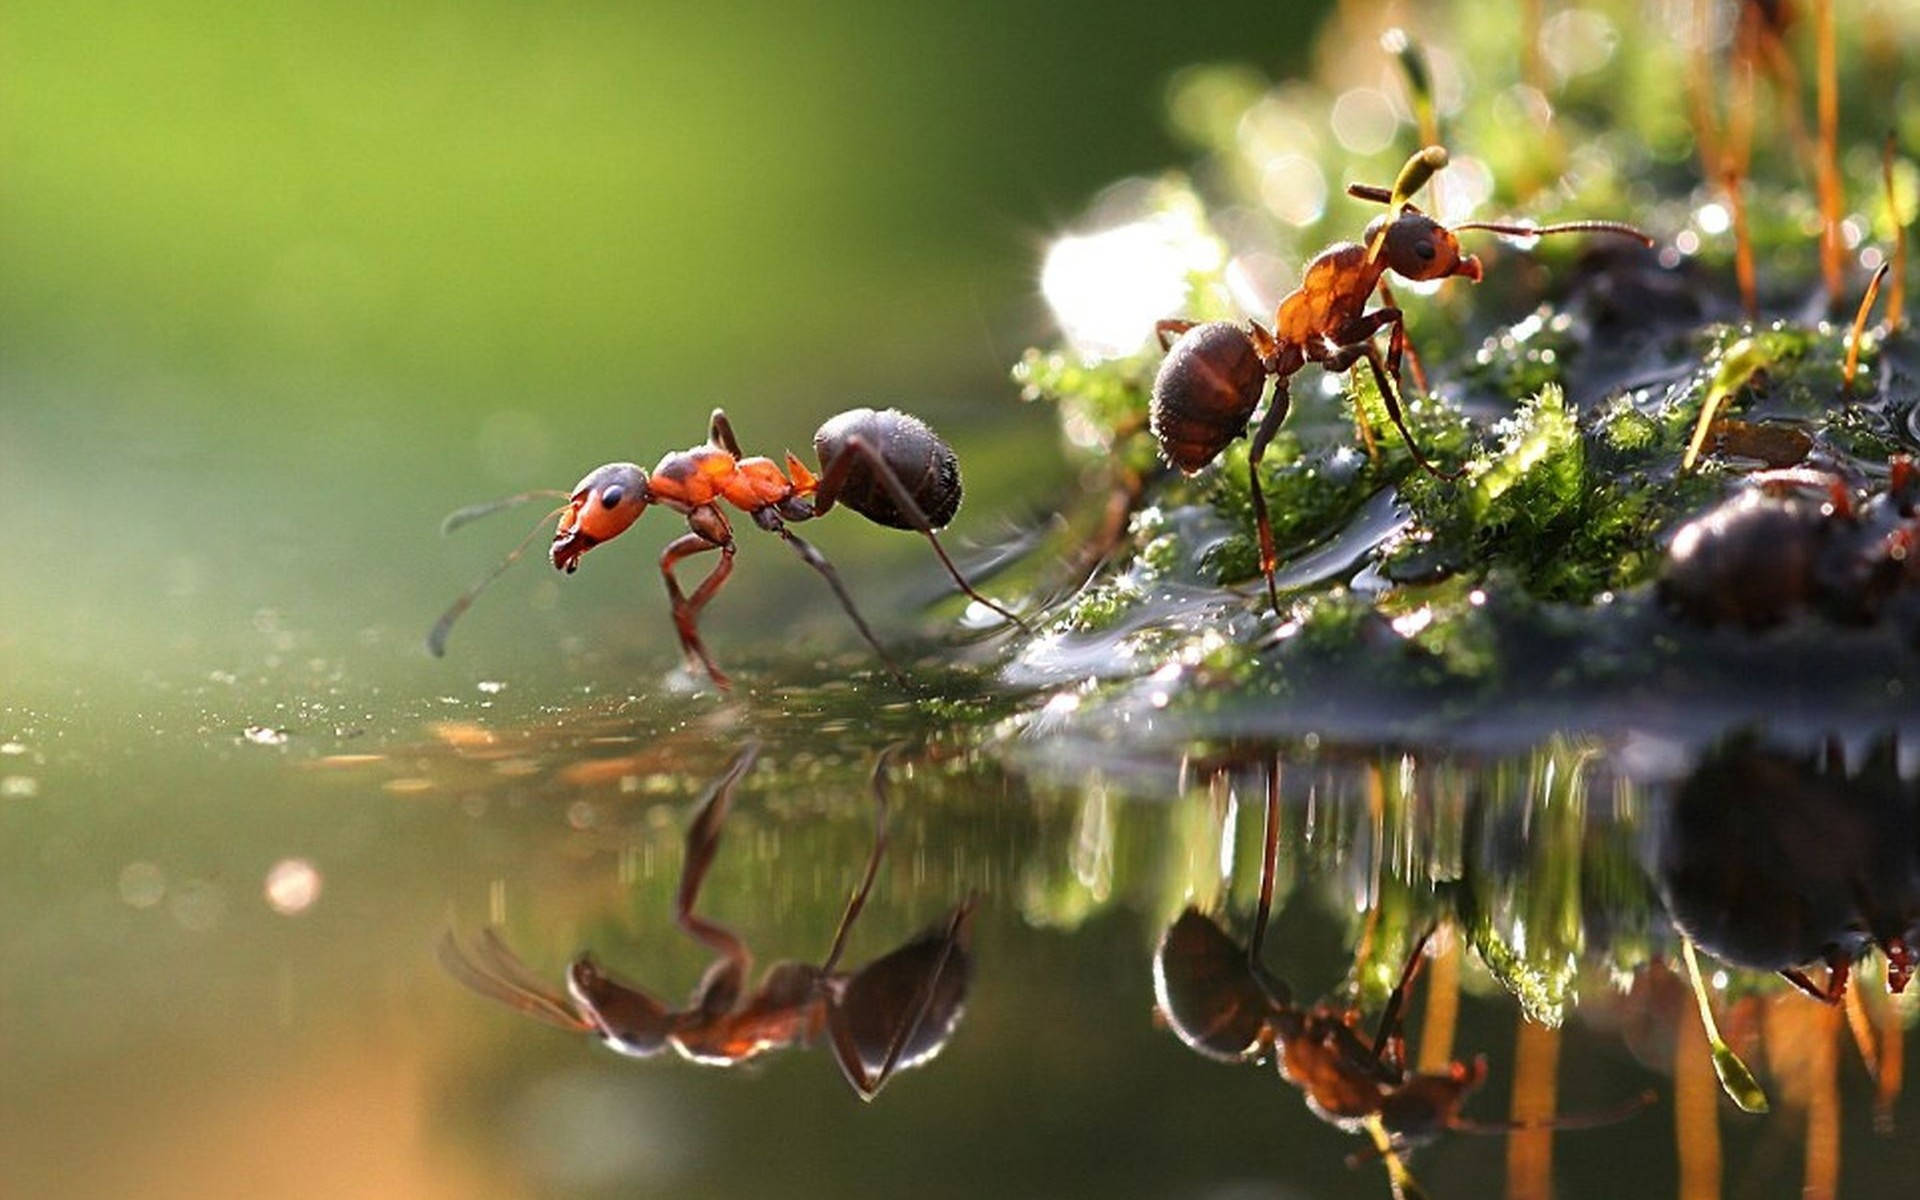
[[1380, 195], [437, 636], [473, 512], [1534, 231], [492, 970]]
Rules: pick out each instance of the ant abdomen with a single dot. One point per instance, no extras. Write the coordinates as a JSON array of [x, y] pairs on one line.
[[925, 465], [1208, 386]]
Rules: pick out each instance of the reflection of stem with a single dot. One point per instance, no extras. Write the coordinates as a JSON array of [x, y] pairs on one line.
[[1536, 1078], [1738, 1082], [1700, 91], [1823, 1108], [1443, 1008], [1892, 1064], [1696, 1114], [1860, 1025]]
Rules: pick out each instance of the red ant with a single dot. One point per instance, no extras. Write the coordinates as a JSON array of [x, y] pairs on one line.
[[897, 1011], [885, 465], [1220, 1000], [1211, 379]]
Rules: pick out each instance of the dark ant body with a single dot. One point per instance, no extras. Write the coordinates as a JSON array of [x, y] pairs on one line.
[[1772, 860], [885, 465], [1796, 541], [1211, 379], [897, 1011], [1220, 1000]]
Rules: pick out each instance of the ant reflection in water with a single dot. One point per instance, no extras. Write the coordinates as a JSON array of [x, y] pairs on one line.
[[897, 1011], [1772, 860], [1221, 1001]]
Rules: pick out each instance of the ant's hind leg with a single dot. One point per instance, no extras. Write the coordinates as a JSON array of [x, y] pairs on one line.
[[858, 900], [686, 612], [847, 1052], [1257, 449], [1162, 328], [835, 475], [818, 561]]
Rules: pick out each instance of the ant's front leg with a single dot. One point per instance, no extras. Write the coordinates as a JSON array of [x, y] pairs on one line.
[[1345, 354], [1399, 344], [834, 477], [1388, 1039], [686, 611], [720, 433]]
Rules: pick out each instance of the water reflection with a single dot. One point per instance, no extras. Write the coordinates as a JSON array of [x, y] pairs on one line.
[[566, 826], [1224, 1004], [1772, 860], [895, 1012]]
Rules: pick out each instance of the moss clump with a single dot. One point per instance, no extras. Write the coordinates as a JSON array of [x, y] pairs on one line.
[[1535, 505]]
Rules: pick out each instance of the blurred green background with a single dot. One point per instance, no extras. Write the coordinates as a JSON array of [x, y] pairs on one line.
[[279, 286]]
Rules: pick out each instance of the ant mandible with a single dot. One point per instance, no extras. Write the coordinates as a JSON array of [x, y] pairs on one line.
[[1222, 1003], [898, 1011], [886, 465], [1211, 379]]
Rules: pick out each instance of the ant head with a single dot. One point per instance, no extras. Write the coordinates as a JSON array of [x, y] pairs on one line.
[[1419, 247], [626, 1018], [602, 506]]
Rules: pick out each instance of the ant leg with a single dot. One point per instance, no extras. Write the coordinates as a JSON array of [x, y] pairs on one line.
[[1838, 969], [1337, 361], [847, 1053], [1391, 1016], [828, 490], [1162, 328], [858, 900], [1257, 449], [686, 612], [703, 842], [1399, 344], [1387, 393], [720, 433], [1268, 855], [818, 562]]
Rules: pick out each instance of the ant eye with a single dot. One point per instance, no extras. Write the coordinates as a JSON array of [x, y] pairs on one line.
[[1424, 250], [611, 497]]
